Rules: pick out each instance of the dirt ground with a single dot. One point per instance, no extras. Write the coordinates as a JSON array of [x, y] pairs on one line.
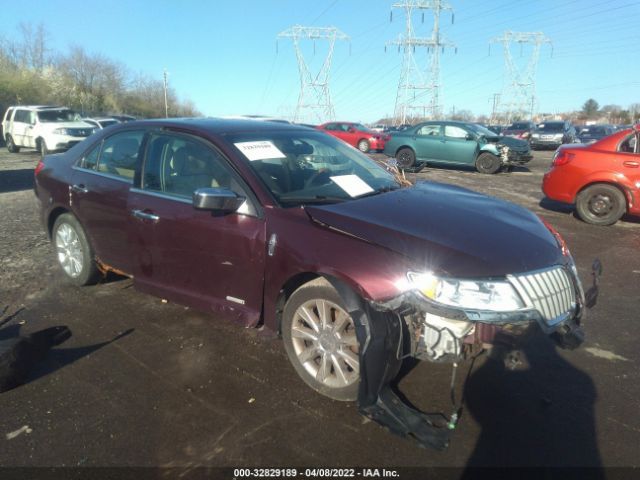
[[147, 383]]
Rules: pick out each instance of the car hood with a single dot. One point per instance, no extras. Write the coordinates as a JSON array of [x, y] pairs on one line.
[[513, 143], [54, 125], [447, 229]]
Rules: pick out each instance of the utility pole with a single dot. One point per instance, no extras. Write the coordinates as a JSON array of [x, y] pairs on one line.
[[314, 99], [418, 82], [166, 104], [519, 90], [494, 110]]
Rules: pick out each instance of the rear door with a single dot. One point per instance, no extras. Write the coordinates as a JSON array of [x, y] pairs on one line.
[[99, 194], [196, 257], [428, 141], [627, 162], [21, 126]]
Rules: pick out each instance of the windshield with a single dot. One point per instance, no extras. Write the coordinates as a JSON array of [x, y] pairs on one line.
[[360, 127], [519, 126], [65, 115], [594, 131], [300, 167], [551, 127], [479, 129]]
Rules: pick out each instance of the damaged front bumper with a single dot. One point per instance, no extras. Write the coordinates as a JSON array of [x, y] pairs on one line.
[[553, 299], [441, 333], [510, 157]]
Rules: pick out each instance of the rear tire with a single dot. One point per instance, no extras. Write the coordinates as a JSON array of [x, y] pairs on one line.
[[74, 251], [320, 341], [488, 163], [364, 146], [11, 146], [41, 146], [406, 158], [601, 204]]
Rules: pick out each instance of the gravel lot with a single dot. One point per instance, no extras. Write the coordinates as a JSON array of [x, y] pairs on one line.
[[146, 383]]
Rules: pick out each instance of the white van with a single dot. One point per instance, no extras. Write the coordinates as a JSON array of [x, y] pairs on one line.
[[45, 128]]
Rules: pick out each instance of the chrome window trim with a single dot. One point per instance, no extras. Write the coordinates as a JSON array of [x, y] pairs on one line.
[[165, 196], [104, 174]]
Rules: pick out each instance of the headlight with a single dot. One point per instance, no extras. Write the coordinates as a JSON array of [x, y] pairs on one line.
[[497, 296], [535, 135], [61, 131]]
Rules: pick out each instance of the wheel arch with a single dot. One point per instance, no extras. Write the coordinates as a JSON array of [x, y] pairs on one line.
[[347, 292], [53, 216], [405, 146]]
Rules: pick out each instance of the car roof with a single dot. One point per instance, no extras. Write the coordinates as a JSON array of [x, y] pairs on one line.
[[41, 107], [220, 126]]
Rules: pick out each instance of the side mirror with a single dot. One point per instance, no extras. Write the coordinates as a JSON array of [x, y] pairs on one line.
[[469, 136], [217, 200]]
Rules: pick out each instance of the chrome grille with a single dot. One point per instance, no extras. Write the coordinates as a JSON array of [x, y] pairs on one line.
[[549, 291]]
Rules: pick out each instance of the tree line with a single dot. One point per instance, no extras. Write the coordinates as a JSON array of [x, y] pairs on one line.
[[93, 84]]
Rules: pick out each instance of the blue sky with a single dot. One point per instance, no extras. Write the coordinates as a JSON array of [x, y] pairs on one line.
[[222, 55]]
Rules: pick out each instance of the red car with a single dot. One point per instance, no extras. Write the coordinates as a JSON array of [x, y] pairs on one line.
[[356, 135], [602, 179]]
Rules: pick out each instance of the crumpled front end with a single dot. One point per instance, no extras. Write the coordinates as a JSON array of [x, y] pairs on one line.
[[552, 300]]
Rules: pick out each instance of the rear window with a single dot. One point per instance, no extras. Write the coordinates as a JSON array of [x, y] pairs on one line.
[[551, 127]]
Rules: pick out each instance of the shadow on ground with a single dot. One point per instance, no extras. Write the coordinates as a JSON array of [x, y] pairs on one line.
[[16, 180], [540, 416]]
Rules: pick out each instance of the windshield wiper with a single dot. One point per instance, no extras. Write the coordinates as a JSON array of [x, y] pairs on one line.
[[311, 199], [378, 191]]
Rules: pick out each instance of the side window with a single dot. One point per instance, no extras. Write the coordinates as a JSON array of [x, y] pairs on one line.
[[331, 126], [21, 116], [119, 154], [452, 131], [629, 144], [430, 130], [179, 166], [90, 160]]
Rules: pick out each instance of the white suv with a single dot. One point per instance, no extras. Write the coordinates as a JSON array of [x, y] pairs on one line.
[[47, 129]]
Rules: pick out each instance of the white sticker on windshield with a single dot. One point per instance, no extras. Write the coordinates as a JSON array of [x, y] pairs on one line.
[[352, 184], [259, 150]]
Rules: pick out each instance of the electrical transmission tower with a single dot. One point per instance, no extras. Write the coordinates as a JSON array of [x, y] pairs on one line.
[[518, 98], [314, 99], [419, 88]]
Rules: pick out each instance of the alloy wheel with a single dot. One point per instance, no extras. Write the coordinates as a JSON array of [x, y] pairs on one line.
[[324, 341], [69, 250]]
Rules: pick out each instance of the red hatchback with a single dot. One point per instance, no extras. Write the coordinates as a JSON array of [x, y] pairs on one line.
[[602, 179], [356, 135]]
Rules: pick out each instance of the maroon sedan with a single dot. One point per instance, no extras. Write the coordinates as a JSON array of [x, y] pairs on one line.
[[284, 227], [356, 135]]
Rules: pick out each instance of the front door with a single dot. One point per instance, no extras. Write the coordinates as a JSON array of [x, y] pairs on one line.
[[458, 147], [195, 257]]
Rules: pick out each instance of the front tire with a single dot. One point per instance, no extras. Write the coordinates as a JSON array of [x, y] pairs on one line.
[[601, 204], [364, 146], [488, 163], [320, 340], [11, 146], [74, 251]]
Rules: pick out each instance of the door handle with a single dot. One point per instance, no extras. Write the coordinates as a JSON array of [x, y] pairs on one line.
[[79, 188], [145, 216], [631, 164]]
